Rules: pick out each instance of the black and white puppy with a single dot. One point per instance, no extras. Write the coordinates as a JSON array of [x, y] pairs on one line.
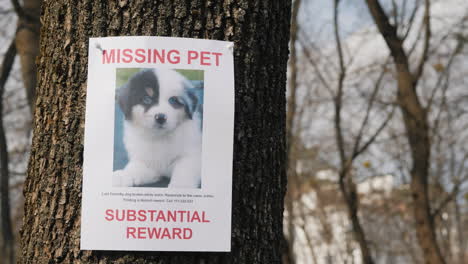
[[161, 136]]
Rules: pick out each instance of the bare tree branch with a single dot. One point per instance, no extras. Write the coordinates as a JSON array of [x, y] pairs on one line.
[[411, 21], [369, 106], [339, 94], [395, 14], [22, 13], [427, 40], [314, 64], [444, 73], [5, 218], [346, 184], [450, 197], [376, 134]]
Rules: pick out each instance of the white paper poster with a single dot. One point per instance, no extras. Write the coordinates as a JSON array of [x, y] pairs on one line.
[[157, 173]]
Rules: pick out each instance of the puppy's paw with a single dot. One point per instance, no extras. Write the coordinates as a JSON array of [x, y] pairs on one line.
[[121, 179], [190, 184]]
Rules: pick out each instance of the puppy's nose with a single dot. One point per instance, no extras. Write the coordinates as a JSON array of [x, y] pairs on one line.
[[160, 118]]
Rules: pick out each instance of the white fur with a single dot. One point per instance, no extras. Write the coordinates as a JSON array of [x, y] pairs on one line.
[[172, 150]]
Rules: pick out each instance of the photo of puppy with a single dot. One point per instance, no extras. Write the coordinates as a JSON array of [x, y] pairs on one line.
[[159, 134]]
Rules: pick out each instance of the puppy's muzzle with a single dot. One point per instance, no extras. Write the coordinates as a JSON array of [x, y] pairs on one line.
[[160, 119]]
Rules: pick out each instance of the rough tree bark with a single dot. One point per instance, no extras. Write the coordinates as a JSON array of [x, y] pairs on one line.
[[260, 30], [417, 127]]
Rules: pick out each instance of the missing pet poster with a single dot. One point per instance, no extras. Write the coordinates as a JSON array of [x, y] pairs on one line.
[[158, 146]]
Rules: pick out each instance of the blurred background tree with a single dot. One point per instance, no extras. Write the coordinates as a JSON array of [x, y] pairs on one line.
[[20, 33], [378, 160]]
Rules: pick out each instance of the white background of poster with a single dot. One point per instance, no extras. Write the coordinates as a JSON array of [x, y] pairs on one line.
[[217, 146]]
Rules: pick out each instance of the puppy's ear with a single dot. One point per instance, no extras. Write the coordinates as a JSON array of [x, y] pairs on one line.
[[190, 100], [122, 98]]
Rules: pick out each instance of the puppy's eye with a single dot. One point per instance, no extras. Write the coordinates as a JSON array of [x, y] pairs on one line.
[[176, 102], [147, 100]]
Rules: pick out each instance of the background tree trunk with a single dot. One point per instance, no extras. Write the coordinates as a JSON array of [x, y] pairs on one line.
[[417, 127], [260, 30], [27, 45]]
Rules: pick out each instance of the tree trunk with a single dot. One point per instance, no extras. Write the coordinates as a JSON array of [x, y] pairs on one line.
[[27, 44], [350, 197], [417, 132], [260, 30]]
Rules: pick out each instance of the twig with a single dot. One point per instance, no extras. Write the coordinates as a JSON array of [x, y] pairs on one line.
[[22, 13]]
